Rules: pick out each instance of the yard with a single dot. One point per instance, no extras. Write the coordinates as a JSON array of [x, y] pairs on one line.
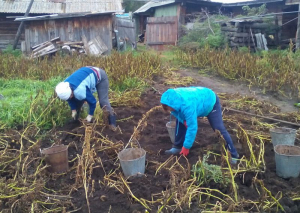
[[32, 118]]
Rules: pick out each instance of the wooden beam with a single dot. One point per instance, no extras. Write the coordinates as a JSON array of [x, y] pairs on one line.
[[260, 116], [161, 22], [298, 30], [161, 43], [20, 29]]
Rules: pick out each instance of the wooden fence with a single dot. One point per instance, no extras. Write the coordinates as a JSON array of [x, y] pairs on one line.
[[126, 30], [161, 32]]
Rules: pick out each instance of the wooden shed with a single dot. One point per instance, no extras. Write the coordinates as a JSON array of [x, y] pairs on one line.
[[68, 27], [11, 9], [161, 21]]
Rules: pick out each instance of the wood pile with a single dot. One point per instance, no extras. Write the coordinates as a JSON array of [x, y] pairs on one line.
[[241, 33], [95, 47]]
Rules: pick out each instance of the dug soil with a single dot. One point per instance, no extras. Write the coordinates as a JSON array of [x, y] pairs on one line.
[[154, 140]]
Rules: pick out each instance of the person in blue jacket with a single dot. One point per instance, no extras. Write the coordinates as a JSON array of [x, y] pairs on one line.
[[80, 86], [187, 104]]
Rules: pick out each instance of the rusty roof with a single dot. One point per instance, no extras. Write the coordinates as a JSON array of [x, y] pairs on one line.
[[60, 6]]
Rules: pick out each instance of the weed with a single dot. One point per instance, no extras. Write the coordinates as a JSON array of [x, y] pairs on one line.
[[205, 172]]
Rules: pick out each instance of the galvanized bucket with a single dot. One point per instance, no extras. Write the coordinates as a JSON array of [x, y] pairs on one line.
[[171, 127], [133, 161], [57, 158], [287, 160], [283, 136]]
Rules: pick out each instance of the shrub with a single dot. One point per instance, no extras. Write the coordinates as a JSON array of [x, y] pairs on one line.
[[10, 51]]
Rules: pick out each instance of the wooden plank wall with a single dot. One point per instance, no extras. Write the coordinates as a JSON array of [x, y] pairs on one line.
[[161, 32], [8, 31], [69, 29], [126, 29]]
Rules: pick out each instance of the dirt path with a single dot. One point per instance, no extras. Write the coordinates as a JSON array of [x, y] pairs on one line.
[[220, 85]]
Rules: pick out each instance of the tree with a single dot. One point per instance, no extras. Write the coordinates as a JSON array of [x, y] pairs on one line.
[[132, 5]]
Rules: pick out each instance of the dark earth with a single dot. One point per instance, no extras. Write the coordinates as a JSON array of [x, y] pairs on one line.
[[154, 139]]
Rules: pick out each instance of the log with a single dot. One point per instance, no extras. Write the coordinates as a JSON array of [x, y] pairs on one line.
[[261, 116], [230, 29], [235, 34], [230, 34], [234, 39], [254, 25], [241, 35], [42, 46], [234, 44], [238, 40]]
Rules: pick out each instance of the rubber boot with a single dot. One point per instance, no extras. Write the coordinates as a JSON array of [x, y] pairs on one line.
[[112, 122], [234, 159], [173, 151]]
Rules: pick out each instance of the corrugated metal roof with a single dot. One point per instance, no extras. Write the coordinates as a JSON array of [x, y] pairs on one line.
[[152, 4], [61, 16], [69, 6]]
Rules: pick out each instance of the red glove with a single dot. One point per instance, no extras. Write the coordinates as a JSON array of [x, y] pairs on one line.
[[184, 151], [185, 124]]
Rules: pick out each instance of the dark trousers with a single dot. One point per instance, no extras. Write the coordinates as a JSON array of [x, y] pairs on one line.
[[102, 90], [215, 121]]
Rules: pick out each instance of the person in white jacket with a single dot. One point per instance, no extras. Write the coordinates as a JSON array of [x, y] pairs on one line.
[[80, 86]]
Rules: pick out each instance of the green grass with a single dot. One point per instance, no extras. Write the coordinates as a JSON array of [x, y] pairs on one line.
[[19, 100]]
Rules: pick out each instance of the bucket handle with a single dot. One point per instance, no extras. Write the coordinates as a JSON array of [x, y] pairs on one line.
[[130, 143], [170, 117]]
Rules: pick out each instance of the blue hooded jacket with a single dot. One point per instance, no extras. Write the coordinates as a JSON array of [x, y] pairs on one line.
[[83, 83], [189, 104]]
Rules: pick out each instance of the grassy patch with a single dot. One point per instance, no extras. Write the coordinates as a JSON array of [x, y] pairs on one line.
[[24, 100], [28, 85]]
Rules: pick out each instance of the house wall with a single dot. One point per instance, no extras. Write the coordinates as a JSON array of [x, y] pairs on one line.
[[289, 28], [8, 31], [69, 29], [164, 11]]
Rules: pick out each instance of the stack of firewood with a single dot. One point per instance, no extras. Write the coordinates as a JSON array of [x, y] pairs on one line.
[[241, 33], [54, 45], [95, 46]]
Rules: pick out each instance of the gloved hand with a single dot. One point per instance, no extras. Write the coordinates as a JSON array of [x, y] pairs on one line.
[[89, 118], [74, 113], [185, 124], [184, 151]]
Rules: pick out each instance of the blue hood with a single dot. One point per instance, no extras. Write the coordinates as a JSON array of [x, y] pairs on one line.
[[172, 99]]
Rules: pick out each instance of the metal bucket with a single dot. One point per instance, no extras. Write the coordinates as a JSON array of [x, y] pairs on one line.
[[283, 136], [171, 126], [133, 161], [57, 158], [287, 160]]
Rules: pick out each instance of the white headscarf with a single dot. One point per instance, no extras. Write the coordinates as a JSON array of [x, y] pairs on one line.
[[63, 90]]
